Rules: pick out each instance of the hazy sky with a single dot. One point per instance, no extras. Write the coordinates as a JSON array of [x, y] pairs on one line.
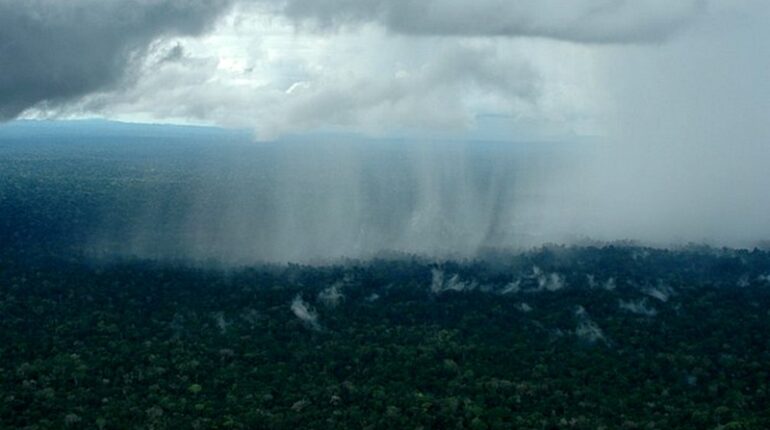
[[678, 91]]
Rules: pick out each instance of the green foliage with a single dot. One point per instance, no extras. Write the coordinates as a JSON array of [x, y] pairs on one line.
[[140, 344]]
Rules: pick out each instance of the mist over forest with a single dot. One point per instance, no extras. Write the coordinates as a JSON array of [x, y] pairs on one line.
[[219, 198], [212, 195]]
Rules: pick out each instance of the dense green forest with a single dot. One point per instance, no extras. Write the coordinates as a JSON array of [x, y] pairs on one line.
[[612, 336]]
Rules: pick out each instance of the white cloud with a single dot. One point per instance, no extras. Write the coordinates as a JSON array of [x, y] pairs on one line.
[[639, 307], [662, 292], [440, 284], [332, 295], [256, 70], [305, 313], [587, 329]]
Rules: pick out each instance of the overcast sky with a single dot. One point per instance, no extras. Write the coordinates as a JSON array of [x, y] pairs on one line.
[[550, 67], [372, 66], [679, 91]]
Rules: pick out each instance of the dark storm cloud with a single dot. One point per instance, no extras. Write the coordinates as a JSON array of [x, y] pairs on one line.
[[585, 21], [52, 51]]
